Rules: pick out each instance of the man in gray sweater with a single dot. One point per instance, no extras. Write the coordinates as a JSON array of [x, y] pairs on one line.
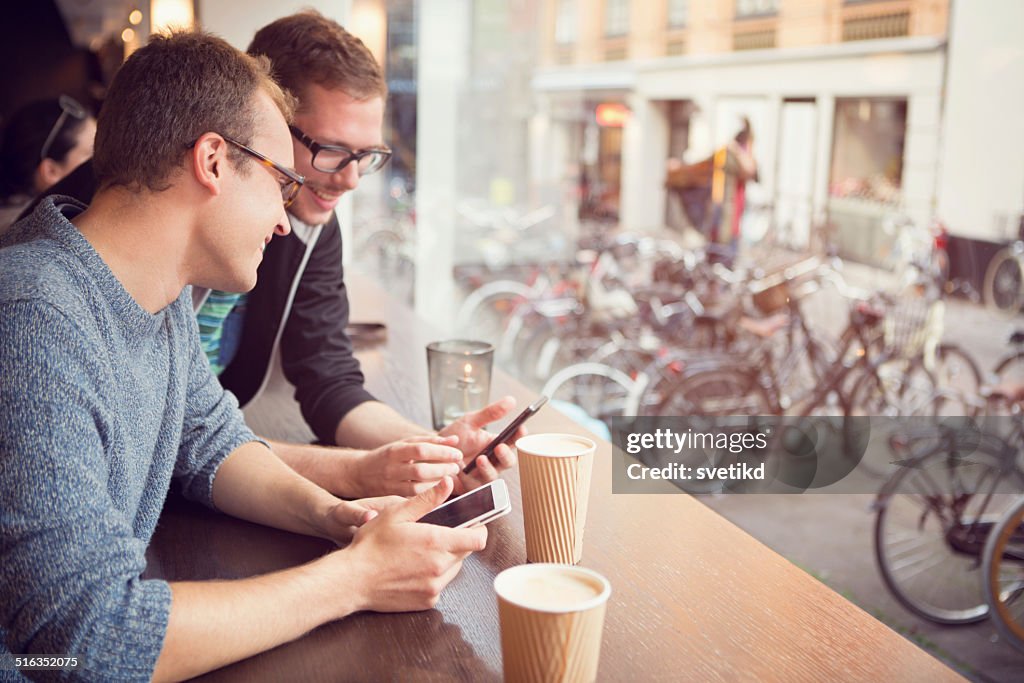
[[106, 395]]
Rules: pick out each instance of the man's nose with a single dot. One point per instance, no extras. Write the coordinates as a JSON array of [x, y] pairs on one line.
[[348, 177], [284, 226]]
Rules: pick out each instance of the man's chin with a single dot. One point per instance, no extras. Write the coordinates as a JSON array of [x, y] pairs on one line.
[[310, 215], [241, 283]]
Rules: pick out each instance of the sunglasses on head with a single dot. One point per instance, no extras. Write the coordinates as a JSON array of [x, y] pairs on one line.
[[69, 106]]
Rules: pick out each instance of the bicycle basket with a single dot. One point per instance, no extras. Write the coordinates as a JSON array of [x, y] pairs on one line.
[[771, 293], [909, 324], [772, 299]]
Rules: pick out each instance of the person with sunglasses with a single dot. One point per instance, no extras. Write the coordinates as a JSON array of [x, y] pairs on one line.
[[108, 398], [42, 142], [299, 307]]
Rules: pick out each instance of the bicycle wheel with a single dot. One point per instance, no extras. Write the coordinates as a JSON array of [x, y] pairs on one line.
[[1003, 570], [716, 391], [661, 376], [484, 313], [551, 345], [803, 359], [895, 387], [958, 378], [600, 391], [933, 518], [1011, 369], [1004, 283], [713, 398]]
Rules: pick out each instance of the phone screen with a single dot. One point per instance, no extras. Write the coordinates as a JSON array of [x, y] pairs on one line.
[[462, 509]]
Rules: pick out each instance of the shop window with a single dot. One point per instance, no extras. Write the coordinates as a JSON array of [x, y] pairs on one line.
[[565, 22], [756, 8], [867, 152], [678, 13], [616, 17]]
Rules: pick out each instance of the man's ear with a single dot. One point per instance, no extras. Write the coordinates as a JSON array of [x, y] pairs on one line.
[[48, 172], [208, 162]]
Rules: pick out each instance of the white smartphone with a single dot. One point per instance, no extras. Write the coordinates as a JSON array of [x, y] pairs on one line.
[[479, 506]]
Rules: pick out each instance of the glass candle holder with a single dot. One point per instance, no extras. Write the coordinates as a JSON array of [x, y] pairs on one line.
[[460, 378]]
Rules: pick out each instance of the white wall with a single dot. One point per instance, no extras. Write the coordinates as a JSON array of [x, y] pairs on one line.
[[238, 24], [982, 161]]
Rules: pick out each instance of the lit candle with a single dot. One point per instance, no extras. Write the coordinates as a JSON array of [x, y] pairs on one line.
[[465, 382]]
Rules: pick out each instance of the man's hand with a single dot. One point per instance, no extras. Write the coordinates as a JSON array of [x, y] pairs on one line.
[[344, 519], [401, 565], [406, 467], [473, 438]]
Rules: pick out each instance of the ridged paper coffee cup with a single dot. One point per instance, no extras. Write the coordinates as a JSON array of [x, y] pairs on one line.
[[551, 621], [554, 475]]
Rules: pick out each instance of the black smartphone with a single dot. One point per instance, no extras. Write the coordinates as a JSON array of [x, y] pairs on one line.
[[507, 432]]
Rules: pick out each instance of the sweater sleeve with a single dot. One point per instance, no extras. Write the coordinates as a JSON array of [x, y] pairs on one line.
[[213, 424], [70, 564], [316, 354]]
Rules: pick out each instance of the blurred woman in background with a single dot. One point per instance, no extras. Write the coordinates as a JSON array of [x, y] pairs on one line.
[[41, 143]]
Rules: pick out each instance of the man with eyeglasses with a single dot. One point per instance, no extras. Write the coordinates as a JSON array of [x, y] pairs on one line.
[[300, 305], [107, 396]]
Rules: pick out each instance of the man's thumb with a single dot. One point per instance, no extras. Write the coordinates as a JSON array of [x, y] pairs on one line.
[[421, 504], [353, 514]]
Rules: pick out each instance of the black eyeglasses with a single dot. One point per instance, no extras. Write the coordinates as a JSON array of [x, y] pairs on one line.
[[69, 106], [290, 188], [333, 158]]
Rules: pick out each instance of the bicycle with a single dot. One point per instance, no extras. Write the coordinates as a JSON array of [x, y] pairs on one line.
[[936, 514], [807, 378]]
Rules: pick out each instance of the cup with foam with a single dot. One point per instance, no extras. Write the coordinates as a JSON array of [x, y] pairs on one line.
[[554, 473], [551, 618]]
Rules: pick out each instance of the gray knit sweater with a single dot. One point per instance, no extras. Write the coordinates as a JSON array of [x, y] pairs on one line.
[[101, 404]]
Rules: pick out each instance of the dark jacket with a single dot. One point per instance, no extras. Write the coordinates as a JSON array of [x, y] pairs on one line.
[[316, 354]]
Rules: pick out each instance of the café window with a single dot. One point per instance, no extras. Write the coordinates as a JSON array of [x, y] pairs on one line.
[[756, 8], [867, 152], [565, 22], [678, 13], [616, 17]]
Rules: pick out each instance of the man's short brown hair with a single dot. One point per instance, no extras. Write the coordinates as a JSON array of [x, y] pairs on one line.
[[307, 47], [168, 94]]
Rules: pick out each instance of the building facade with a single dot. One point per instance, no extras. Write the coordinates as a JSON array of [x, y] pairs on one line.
[[845, 100]]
